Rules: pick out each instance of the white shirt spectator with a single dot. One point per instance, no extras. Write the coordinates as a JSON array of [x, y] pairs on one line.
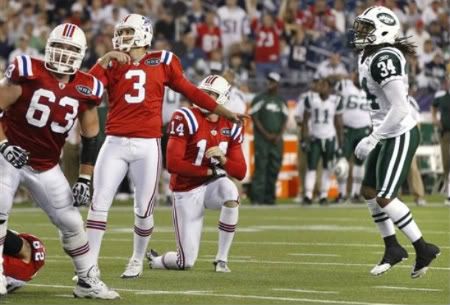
[[234, 26], [429, 15], [237, 101], [326, 69], [417, 38], [28, 51]]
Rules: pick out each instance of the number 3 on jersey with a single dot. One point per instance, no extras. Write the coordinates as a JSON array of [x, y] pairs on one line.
[[138, 86]]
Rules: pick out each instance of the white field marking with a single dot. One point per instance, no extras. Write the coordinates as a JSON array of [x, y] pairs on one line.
[[305, 291], [69, 296], [234, 256], [314, 254], [408, 288], [259, 243], [254, 261], [221, 295]]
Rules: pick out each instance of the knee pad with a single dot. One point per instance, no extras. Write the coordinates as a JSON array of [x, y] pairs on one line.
[[68, 220]]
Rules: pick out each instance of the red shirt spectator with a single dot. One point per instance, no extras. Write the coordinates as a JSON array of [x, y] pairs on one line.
[[208, 35], [319, 17], [267, 35]]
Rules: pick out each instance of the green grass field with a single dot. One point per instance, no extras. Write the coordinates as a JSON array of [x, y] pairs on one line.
[[283, 255]]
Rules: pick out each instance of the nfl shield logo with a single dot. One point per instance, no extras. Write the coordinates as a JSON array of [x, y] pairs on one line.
[[62, 86], [214, 132]]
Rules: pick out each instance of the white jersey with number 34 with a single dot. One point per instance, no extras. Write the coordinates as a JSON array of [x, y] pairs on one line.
[[375, 71]]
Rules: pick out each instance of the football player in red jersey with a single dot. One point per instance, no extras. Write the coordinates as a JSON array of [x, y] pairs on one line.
[[203, 149], [135, 79], [23, 256], [41, 100]]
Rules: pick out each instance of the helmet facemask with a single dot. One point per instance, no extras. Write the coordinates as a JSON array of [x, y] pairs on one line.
[[62, 57], [363, 31]]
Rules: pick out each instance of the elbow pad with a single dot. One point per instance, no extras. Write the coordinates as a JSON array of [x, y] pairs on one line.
[[89, 150]]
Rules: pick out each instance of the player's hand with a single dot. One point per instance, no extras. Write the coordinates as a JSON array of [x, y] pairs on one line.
[[81, 192], [120, 57], [365, 146], [216, 153], [238, 117], [15, 155]]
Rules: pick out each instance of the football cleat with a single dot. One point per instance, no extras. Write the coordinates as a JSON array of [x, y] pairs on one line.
[[323, 201], [91, 287], [13, 284], [307, 201], [424, 259], [221, 266], [447, 201], [133, 269], [391, 257]]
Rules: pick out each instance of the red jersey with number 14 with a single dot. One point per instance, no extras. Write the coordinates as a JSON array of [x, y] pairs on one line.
[[45, 112], [190, 136], [136, 93]]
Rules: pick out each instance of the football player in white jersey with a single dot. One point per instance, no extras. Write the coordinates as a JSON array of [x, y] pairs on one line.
[[322, 123], [392, 144], [357, 125]]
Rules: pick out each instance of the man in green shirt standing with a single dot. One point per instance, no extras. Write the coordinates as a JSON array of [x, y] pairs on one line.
[[441, 104], [269, 114]]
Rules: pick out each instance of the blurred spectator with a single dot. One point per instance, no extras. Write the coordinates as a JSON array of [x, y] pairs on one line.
[[96, 14], [114, 12], [331, 68], [77, 14], [431, 12], [164, 27], [298, 49], [234, 25], [208, 34], [412, 15], [427, 53], [236, 102], [269, 113], [418, 35], [5, 46], [436, 71], [394, 6], [267, 50], [197, 14], [319, 19], [338, 13], [237, 65], [23, 48], [440, 112]]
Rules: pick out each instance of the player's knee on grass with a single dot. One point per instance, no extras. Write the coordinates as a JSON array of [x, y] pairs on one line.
[[231, 204]]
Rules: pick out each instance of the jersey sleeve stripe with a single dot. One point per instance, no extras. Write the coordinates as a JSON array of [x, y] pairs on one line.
[[191, 120], [99, 91], [21, 64], [29, 65], [233, 130], [95, 86], [238, 133], [166, 57]]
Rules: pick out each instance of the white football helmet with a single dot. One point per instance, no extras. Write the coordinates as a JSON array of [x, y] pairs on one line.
[[376, 25], [58, 57], [142, 36], [218, 85], [341, 169]]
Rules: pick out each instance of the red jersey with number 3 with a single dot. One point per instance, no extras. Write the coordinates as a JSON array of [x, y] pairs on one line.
[[190, 136], [136, 93], [47, 109], [17, 268]]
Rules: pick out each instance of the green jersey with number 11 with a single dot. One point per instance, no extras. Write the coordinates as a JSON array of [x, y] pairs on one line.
[[375, 71]]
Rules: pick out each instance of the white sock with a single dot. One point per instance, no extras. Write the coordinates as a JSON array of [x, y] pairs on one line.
[[227, 227], [342, 183], [384, 223], [166, 261], [76, 245], [3, 228], [325, 183], [143, 228], [95, 229], [310, 180], [402, 218], [358, 174]]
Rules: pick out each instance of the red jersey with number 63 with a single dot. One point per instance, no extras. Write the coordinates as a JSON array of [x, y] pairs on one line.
[[18, 269], [47, 109], [190, 136], [136, 93]]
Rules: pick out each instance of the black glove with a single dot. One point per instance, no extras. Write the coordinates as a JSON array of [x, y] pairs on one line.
[[81, 192], [15, 155], [218, 172], [305, 145]]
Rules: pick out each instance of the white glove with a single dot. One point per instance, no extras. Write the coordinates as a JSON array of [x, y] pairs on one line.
[[365, 146], [15, 155], [82, 192]]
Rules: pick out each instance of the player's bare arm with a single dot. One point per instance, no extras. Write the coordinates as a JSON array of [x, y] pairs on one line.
[[9, 92], [89, 136]]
